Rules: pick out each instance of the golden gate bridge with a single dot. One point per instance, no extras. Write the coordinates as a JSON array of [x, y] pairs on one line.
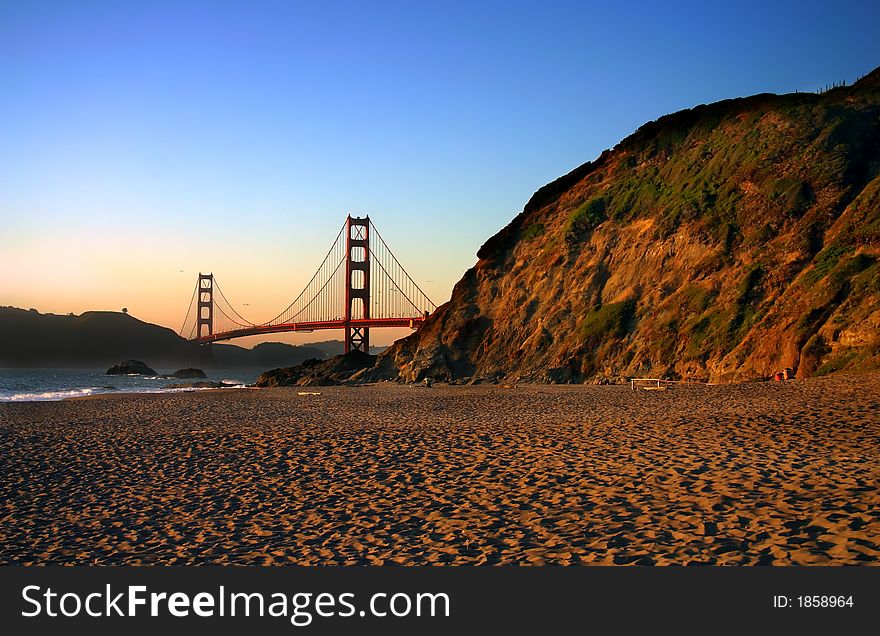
[[359, 286]]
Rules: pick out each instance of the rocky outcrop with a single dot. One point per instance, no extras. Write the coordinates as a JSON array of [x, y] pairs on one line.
[[130, 367], [185, 374], [727, 242], [340, 369]]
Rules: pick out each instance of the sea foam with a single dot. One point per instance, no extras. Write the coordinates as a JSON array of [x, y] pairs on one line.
[[46, 396]]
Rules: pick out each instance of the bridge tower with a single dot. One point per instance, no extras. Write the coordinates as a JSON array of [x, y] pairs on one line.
[[357, 281], [206, 304]]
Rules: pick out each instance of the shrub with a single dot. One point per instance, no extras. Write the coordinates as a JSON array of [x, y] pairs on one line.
[[586, 217], [533, 231], [694, 299], [608, 321], [835, 364], [824, 262]]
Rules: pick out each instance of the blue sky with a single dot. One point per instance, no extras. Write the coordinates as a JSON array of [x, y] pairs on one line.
[[138, 139]]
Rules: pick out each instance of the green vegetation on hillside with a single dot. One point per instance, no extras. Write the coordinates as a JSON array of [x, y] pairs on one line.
[[585, 218], [533, 231], [607, 321]]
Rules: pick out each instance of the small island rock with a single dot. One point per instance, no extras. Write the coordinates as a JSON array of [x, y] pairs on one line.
[[130, 367], [185, 374]]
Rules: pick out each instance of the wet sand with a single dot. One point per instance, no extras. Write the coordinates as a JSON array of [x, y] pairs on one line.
[[765, 473]]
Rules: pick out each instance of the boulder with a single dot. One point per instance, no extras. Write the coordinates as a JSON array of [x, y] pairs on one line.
[[130, 367]]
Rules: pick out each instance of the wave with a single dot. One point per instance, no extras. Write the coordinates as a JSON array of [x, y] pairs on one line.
[[46, 395]]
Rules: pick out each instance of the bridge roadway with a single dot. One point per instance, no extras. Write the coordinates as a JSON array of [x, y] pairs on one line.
[[256, 330]]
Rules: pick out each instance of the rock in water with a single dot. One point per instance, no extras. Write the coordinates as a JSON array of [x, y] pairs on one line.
[[130, 367], [185, 374]]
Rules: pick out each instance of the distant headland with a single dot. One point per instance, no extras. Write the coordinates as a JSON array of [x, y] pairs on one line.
[[99, 339]]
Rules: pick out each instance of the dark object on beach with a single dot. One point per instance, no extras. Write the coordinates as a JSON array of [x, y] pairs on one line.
[[558, 375], [130, 367], [185, 374], [785, 374]]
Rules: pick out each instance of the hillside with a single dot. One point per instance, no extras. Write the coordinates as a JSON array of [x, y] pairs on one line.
[[268, 354], [94, 338], [727, 242], [102, 338]]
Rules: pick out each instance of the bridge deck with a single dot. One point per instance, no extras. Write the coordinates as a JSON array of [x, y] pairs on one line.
[[412, 323]]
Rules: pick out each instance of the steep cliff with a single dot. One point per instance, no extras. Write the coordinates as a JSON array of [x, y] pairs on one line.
[[727, 241]]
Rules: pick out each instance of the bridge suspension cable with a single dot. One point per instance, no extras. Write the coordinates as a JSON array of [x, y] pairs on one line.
[[360, 284], [398, 294], [324, 280], [244, 322], [189, 334]]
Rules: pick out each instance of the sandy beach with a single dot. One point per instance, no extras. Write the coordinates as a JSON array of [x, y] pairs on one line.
[[770, 473]]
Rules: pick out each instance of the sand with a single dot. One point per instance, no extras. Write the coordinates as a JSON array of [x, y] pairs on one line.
[[770, 473]]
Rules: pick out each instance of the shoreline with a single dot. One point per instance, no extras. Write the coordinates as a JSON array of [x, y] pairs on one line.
[[736, 474], [685, 384], [136, 394], [106, 391]]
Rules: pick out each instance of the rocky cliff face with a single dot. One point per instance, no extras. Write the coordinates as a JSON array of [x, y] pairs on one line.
[[726, 242]]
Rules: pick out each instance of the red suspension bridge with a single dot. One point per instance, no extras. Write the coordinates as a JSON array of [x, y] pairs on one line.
[[359, 286]]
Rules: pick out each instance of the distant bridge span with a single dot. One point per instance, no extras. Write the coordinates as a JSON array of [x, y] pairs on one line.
[[256, 330], [359, 286]]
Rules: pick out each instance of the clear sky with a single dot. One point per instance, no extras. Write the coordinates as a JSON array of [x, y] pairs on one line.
[[143, 141]]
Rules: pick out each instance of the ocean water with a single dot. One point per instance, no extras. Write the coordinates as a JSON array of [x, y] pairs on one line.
[[22, 385]]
